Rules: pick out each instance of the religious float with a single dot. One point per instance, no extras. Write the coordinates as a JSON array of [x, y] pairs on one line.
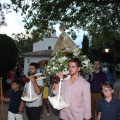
[[64, 50]]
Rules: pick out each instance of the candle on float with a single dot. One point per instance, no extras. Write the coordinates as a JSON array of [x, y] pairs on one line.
[[30, 89]]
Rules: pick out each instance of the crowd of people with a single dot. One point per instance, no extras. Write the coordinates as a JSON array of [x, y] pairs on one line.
[[15, 74], [87, 99], [34, 109]]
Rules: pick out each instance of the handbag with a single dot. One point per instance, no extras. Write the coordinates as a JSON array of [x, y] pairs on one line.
[[57, 101]]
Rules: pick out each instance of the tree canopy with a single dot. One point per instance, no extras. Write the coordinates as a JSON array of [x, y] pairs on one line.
[[2, 14], [24, 44], [8, 54], [85, 45], [100, 18]]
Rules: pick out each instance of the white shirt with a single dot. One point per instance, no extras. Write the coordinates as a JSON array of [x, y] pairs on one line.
[[38, 102]]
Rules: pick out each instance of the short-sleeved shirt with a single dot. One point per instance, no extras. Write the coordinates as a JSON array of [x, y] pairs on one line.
[[15, 100], [109, 110], [38, 102]]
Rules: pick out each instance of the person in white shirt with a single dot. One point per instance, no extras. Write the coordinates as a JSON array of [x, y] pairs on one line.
[[34, 108]]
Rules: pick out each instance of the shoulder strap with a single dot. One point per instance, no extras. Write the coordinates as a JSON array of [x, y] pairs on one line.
[[59, 91]]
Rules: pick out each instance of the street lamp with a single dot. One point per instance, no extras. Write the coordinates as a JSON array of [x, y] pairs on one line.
[[106, 50]]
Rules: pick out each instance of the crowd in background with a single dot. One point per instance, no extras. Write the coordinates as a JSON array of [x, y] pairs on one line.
[[16, 73], [98, 84]]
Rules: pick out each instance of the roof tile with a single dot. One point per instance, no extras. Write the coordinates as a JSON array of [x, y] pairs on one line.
[[42, 53]]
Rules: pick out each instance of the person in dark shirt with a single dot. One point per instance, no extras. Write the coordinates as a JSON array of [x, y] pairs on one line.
[[95, 81], [110, 74], [108, 107], [18, 72], [15, 106]]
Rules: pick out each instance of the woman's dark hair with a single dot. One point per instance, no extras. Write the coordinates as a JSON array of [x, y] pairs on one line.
[[77, 61]]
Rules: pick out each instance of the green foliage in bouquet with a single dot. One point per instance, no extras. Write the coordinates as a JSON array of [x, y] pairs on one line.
[[59, 63]]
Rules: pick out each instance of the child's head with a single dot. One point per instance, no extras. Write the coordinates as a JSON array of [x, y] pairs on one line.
[[107, 89], [15, 85]]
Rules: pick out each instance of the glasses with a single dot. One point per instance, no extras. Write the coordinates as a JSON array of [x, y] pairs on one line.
[[108, 90]]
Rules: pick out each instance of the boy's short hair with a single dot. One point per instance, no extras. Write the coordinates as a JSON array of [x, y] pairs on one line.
[[77, 61], [107, 84], [16, 81], [34, 64]]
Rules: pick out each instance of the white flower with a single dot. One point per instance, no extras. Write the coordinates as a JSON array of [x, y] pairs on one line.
[[62, 59], [59, 63], [84, 56], [53, 58], [65, 69], [55, 68], [48, 67], [85, 63], [76, 52]]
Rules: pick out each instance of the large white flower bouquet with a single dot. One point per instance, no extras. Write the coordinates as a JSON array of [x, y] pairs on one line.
[[59, 63]]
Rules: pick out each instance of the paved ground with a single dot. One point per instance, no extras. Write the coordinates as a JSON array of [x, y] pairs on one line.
[[54, 113]]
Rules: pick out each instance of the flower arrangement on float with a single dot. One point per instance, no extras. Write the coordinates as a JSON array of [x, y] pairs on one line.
[[59, 63]]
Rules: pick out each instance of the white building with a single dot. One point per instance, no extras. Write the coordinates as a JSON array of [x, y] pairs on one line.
[[42, 50]]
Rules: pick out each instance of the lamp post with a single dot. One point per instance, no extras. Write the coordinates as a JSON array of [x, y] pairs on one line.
[[106, 50]]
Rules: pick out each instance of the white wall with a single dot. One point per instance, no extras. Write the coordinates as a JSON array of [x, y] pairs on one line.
[[43, 45], [28, 60]]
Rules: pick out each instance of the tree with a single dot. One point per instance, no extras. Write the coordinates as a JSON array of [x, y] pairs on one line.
[[101, 19], [85, 45], [2, 14], [115, 51], [6, 8], [24, 44], [112, 56], [8, 54]]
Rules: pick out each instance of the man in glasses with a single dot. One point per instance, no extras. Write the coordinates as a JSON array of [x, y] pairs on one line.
[[108, 107]]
